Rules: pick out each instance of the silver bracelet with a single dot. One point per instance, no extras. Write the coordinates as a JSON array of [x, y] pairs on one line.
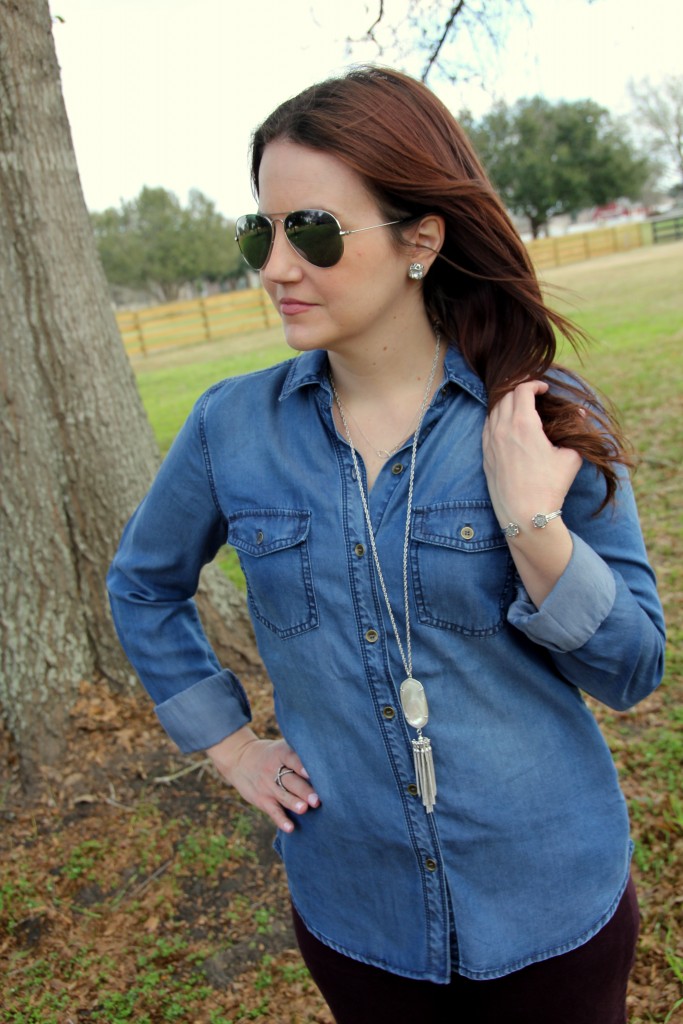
[[540, 521]]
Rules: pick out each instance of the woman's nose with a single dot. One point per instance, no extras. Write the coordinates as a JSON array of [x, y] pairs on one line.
[[284, 263]]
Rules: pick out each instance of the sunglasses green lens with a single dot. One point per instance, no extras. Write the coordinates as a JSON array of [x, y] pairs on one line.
[[254, 235], [313, 234]]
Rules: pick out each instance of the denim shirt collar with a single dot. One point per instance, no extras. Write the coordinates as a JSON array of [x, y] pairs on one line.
[[312, 368]]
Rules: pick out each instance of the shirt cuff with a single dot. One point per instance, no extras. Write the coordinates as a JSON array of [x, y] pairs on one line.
[[574, 609], [206, 712]]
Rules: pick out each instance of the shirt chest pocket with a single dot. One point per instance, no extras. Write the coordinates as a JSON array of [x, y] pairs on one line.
[[272, 544], [462, 571]]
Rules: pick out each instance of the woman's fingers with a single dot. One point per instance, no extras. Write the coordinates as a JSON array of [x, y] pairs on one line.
[[253, 767], [293, 777], [525, 472], [516, 412], [291, 782], [256, 778]]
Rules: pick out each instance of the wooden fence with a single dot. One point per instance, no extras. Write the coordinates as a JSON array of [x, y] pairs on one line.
[[219, 316], [667, 229], [196, 321], [586, 245]]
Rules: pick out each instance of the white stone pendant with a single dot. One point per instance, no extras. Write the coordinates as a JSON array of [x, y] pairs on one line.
[[414, 703]]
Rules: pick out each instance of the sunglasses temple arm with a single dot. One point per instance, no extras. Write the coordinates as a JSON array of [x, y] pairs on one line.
[[388, 224]]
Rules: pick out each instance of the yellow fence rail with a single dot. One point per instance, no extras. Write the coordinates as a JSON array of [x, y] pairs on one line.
[[198, 321], [586, 245]]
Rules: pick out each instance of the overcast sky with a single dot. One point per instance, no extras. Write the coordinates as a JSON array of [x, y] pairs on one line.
[[167, 92]]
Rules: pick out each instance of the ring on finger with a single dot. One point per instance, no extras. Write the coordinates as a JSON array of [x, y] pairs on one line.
[[283, 770]]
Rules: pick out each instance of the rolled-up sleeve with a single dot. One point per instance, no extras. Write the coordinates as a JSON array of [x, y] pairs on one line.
[[602, 623], [198, 717], [575, 608]]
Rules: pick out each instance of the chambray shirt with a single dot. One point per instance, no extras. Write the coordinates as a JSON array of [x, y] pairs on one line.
[[527, 852]]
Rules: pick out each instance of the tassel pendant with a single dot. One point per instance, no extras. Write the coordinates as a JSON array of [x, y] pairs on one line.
[[414, 704], [424, 771]]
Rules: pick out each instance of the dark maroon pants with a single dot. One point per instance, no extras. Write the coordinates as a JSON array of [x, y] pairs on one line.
[[585, 986]]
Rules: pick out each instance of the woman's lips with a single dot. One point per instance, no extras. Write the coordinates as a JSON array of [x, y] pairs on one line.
[[290, 307]]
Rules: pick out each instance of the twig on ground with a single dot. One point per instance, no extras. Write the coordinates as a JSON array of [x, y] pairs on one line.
[[127, 893], [194, 767]]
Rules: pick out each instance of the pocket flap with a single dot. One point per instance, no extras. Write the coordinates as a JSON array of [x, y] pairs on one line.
[[262, 531], [460, 525]]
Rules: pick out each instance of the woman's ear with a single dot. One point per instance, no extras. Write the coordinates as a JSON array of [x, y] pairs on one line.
[[427, 238]]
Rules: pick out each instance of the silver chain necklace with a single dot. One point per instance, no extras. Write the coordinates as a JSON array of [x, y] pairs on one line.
[[381, 453], [412, 692]]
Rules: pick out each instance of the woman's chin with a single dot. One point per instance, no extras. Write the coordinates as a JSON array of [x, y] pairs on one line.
[[302, 340]]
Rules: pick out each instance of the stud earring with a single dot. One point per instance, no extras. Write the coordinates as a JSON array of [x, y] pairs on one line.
[[416, 271]]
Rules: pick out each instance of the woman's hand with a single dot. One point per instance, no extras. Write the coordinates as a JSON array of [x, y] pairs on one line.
[[251, 765], [524, 471], [527, 474]]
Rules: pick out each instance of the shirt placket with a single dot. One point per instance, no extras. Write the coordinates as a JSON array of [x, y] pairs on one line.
[[380, 655]]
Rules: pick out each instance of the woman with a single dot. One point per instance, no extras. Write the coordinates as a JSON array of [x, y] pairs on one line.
[[441, 550]]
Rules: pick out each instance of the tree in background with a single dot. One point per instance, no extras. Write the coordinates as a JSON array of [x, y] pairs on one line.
[[454, 39], [154, 243], [659, 110], [546, 159], [77, 450]]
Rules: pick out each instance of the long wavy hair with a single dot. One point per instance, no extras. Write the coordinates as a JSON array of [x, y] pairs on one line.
[[415, 159]]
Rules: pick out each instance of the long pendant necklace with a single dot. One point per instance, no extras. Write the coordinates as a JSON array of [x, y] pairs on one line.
[[412, 692]]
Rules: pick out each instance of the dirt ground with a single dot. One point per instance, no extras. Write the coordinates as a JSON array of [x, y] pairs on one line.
[[135, 886]]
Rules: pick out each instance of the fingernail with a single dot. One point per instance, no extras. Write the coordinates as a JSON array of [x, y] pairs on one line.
[[301, 806], [288, 827], [304, 773], [313, 799]]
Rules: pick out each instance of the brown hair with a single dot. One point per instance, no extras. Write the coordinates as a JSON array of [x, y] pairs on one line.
[[415, 159]]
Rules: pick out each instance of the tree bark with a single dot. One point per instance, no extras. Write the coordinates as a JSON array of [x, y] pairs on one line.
[[77, 450]]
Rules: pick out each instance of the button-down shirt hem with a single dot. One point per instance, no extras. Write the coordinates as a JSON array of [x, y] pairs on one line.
[[566, 947], [489, 974], [439, 977]]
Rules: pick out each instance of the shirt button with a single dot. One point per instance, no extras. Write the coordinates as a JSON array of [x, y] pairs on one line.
[[372, 636], [360, 550], [412, 789], [431, 864], [259, 537], [467, 533], [397, 468], [388, 712]]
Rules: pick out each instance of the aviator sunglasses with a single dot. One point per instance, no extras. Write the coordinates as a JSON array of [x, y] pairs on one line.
[[316, 235]]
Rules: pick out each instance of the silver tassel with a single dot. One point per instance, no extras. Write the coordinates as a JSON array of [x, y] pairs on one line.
[[424, 771]]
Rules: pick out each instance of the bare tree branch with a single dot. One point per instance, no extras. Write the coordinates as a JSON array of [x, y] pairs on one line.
[[454, 37], [380, 15], [455, 11]]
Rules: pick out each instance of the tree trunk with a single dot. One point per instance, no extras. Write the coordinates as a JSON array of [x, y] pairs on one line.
[[77, 450]]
